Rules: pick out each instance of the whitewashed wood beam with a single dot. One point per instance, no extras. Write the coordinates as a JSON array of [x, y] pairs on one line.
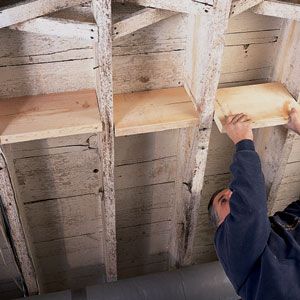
[[140, 19], [278, 9], [204, 52], [239, 6], [30, 9], [89, 31], [197, 7], [103, 58], [17, 230], [274, 144], [59, 27]]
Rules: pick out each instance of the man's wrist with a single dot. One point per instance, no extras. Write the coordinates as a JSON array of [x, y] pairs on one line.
[[246, 144]]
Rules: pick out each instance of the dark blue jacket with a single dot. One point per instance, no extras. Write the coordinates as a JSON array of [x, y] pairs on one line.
[[260, 255]]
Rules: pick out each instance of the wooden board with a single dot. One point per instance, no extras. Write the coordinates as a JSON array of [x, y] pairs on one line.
[[152, 111], [47, 116], [266, 104]]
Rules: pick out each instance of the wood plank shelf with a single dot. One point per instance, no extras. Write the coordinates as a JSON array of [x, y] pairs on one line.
[[47, 116], [151, 111], [267, 104]]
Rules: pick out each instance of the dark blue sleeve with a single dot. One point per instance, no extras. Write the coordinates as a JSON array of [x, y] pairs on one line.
[[242, 237], [293, 208]]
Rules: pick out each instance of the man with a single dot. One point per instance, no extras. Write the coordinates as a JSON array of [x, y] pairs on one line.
[[260, 256]]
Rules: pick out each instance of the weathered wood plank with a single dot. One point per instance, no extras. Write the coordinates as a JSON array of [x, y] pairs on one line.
[[64, 217], [60, 175], [145, 147], [103, 58], [20, 243], [59, 27], [30, 9], [185, 6], [275, 144], [239, 6], [146, 173], [280, 9], [138, 20], [202, 73]]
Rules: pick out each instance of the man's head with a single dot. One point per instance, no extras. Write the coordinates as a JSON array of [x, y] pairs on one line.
[[218, 206]]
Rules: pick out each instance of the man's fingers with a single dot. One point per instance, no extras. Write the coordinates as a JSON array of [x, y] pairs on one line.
[[245, 118], [237, 118], [228, 119]]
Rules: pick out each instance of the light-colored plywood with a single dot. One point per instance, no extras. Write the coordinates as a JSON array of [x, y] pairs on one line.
[[155, 110], [266, 104], [47, 116]]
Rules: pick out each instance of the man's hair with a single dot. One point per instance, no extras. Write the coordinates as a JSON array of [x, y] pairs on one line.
[[213, 216]]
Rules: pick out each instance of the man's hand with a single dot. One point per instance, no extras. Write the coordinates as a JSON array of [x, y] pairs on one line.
[[294, 120], [238, 127]]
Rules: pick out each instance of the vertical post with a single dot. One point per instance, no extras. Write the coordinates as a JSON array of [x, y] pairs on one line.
[[274, 144], [16, 228], [103, 58], [204, 53]]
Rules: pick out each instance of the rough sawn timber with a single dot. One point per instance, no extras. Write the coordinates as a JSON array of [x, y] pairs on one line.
[[184, 6], [278, 9], [204, 53], [103, 60], [138, 20], [20, 243], [30, 9], [275, 144], [59, 27], [239, 6]]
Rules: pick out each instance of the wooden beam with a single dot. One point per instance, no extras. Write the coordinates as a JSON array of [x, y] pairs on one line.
[[17, 231], [278, 9], [140, 19], [197, 7], [29, 9], [239, 6], [204, 53], [103, 57], [274, 144], [89, 31], [59, 27]]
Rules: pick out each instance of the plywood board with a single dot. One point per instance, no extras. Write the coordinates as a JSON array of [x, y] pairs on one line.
[[47, 116], [152, 111], [266, 104]]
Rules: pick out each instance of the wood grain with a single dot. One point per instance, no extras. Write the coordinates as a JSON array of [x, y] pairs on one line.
[[154, 110], [47, 116], [266, 104]]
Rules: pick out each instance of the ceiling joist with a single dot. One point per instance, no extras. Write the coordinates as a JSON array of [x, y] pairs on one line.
[[239, 6], [204, 52], [140, 19], [196, 7], [17, 231], [89, 31], [30, 9], [278, 9], [59, 27]]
